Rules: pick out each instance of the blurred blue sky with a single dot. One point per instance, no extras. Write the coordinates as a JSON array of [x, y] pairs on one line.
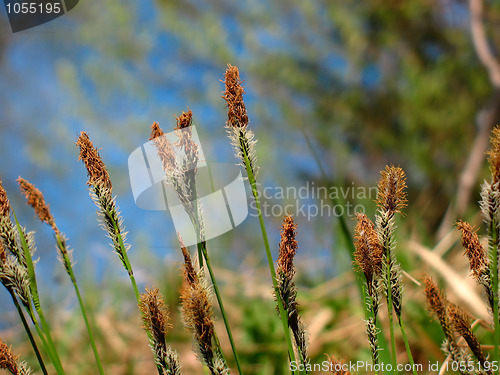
[[113, 79]]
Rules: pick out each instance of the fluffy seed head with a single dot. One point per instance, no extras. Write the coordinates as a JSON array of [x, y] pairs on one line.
[[438, 304], [164, 147], [237, 114], [154, 314], [368, 254], [337, 366], [461, 324], [35, 199], [7, 359], [475, 252], [288, 247], [4, 202], [96, 169], [184, 120], [494, 155], [391, 195]]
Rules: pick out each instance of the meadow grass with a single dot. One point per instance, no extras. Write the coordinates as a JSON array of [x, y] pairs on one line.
[[288, 326]]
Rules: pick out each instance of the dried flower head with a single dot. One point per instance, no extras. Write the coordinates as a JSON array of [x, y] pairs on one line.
[[338, 367], [461, 323], [438, 304], [189, 272], [391, 195], [4, 202], [3, 254], [478, 259], [8, 361], [184, 120], [96, 169], [288, 247], [12, 363], [164, 148], [368, 254], [198, 317], [494, 155], [35, 199], [237, 113], [154, 314]]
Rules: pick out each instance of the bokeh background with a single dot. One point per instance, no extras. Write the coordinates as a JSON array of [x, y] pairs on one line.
[[335, 90]]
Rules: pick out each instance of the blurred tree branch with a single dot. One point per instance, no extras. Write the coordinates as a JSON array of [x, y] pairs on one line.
[[486, 118]]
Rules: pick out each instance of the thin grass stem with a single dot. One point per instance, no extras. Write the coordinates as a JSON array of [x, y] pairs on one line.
[[494, 285], [284, 318], [69, 268], [390, 313], [30, 335], [203, 248], [407, 346], [36, 300]]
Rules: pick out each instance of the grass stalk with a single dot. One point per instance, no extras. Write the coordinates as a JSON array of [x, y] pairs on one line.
[[284, 318], [390, 314], [407, 346], [29, 333], [494, 286], [36, 300], [202, 247], [67, 263]]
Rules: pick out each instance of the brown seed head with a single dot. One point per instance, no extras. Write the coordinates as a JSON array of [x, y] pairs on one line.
[[3, 254], [184, 120], [478, 259], [154, 314], [391, 195], [288, 247], [237, 113], [461, 323], [338, 367], [190, 274], [494, 155], [96, 169], [368, 254], [4, 202], [35, 199], [164, 147], [198, 317], [7, 359], [438, 304]]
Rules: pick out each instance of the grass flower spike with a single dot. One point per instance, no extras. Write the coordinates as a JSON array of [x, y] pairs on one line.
[[156, 323], [368, 258], [439, 306], [101, 193], [198, 317], [285, 272], [35, 199], [11, 363], [242, 139]]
